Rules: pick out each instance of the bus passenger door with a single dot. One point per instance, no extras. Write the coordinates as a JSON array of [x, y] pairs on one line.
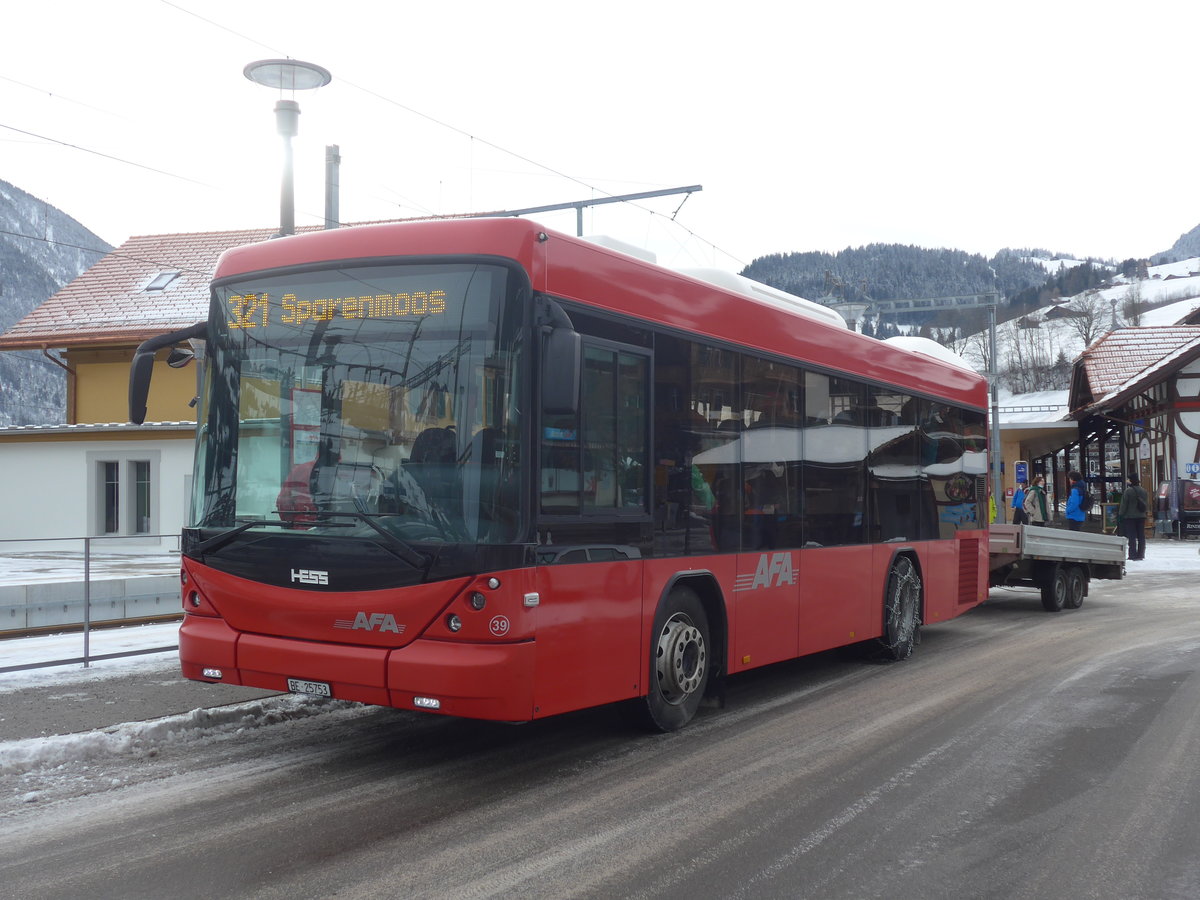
[[594, 530]]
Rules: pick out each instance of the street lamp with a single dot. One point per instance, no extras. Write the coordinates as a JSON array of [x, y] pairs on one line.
[[852, 311], [287, 75]]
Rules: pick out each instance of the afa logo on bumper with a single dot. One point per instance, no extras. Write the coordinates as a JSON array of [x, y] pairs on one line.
[[773, 570], [371, 622]]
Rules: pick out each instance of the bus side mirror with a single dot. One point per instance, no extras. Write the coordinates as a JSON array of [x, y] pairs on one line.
[[142, 368], [139, 384], [562, 351], [180, 357]]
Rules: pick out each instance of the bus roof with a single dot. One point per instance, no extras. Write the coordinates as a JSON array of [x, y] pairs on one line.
[[725, 308]]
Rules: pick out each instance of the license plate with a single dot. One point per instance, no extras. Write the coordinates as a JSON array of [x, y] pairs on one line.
[[316, 688]]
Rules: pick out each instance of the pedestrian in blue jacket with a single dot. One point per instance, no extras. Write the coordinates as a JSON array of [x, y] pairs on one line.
[[1018, 505], [1075, 513]]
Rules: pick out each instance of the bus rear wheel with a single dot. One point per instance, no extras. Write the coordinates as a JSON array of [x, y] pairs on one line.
[[679, 661], [902, 610]]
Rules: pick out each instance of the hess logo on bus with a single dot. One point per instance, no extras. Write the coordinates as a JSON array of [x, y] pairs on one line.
[[310, 576]]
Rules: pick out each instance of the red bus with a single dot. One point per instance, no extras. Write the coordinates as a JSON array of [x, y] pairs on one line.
[[480, 468]]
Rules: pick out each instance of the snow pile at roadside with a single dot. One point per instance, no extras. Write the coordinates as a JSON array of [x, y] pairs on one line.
[[145, 739]]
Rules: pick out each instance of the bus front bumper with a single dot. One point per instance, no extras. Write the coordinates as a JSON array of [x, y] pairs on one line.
[[457, 678]]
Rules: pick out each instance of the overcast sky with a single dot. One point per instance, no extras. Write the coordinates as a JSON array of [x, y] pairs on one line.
[[810, 126]]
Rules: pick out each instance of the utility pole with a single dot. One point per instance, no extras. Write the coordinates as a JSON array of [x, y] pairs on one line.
[[994, 456]]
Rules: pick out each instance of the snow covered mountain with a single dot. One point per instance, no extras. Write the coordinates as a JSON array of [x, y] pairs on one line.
[[41, 249], [1036, 350]]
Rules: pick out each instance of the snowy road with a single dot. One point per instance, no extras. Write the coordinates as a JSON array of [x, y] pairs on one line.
[[1017, 755]]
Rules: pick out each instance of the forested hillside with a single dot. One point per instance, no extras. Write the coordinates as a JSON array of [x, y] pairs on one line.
[[898, 271], [41, 249]]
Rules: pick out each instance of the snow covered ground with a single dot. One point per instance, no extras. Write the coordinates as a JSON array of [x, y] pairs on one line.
[[69, 645], [45, 566]]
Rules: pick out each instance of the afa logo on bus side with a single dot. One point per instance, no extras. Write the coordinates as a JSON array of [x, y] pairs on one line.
[[773, 570], [254, 310]]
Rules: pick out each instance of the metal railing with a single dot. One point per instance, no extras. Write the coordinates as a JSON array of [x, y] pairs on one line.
[[57, 588]]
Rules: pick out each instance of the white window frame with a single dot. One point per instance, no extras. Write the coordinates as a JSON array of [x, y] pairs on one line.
[[126, 492]]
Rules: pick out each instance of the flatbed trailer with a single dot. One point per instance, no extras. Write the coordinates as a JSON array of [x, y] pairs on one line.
[[1061, 563]]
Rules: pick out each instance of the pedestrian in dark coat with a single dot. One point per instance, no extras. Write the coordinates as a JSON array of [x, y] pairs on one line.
[[1132, 515]]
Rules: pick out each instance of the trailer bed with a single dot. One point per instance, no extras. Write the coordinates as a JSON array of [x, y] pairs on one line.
[[1058, 561]]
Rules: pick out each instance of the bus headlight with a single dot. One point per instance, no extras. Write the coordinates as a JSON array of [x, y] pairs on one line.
[[453, 622]]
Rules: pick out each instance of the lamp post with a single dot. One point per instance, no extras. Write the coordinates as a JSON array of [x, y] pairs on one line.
[[287, 75], [852, 311]]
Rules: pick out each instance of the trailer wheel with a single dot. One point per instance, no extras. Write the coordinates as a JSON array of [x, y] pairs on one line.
[[1076, 586], [902, 609], [1054, 590], [679, 664]]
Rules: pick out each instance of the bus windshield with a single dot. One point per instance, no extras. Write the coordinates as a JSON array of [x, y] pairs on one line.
[[364, 401]]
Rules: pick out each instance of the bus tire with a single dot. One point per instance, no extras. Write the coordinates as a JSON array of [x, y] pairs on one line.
[[679, 661], [902, 609], [1054, 589], [1076, 587]]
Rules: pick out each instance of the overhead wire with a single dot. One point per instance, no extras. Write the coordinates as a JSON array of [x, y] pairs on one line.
[[463, 132], [671, 219], [128, 162], [100, 251]]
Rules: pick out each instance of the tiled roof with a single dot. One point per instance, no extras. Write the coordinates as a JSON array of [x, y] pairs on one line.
[[1126, 359], [109, 303]]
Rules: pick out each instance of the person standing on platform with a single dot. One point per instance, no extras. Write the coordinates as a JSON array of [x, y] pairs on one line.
[[1018, 505], [1132, 516], [1076, 513], [1035, 502]]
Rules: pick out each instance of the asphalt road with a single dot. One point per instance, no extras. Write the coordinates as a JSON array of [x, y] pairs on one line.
[[1018, 754]]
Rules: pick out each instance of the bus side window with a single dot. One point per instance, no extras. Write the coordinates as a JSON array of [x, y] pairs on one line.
[[596, 461], [835, 461]]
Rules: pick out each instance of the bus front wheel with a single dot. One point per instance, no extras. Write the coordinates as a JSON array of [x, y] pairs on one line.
[[902, 609], [679, 661]]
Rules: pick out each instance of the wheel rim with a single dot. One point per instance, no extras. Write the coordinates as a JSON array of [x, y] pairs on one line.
[[1075, 589], [681, 659]]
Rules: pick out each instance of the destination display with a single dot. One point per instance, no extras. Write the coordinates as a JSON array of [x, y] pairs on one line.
[[258, 310]]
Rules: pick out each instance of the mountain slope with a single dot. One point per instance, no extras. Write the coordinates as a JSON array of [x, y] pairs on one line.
[[1187, 246], [898, 271], [41, 249]]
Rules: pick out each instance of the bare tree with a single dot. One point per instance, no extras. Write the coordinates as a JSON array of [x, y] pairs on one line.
[[1134, 305], [1087, 314], [1028, 358]]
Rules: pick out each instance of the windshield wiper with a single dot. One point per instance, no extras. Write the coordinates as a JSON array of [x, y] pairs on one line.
[[217, 541], [398, 547]]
